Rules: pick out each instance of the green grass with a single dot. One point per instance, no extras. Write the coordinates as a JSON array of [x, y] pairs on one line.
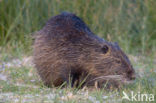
[[131, 23], [23, 84]]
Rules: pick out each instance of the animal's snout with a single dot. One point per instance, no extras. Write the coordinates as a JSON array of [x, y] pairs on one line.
[[133, 77]]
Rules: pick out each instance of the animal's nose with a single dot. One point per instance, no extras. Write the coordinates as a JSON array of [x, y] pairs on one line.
[[133, 77]]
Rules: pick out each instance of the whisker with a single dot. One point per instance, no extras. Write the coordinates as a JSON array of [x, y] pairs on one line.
[[116, 77]]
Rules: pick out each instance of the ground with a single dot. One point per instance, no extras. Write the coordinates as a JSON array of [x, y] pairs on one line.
[[21, 84]]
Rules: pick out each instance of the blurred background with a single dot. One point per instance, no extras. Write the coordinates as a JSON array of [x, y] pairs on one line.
[[131, 23]]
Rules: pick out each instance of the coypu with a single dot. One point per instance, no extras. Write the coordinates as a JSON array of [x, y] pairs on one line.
[[66, 50]]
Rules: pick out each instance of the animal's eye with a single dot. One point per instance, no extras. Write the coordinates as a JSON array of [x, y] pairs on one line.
[[105, 49]]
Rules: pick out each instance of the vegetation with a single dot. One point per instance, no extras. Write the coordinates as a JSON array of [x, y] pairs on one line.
[[19, 83], [131, 23]]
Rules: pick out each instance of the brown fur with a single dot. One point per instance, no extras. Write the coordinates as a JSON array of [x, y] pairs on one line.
[[66, 48]]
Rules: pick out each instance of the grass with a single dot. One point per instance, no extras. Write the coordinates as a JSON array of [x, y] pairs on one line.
[[132, 23], [22, 84], [129, 22]]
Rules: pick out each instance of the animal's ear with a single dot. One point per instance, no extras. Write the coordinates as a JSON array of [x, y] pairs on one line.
[[117, 46], [105, 49]]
